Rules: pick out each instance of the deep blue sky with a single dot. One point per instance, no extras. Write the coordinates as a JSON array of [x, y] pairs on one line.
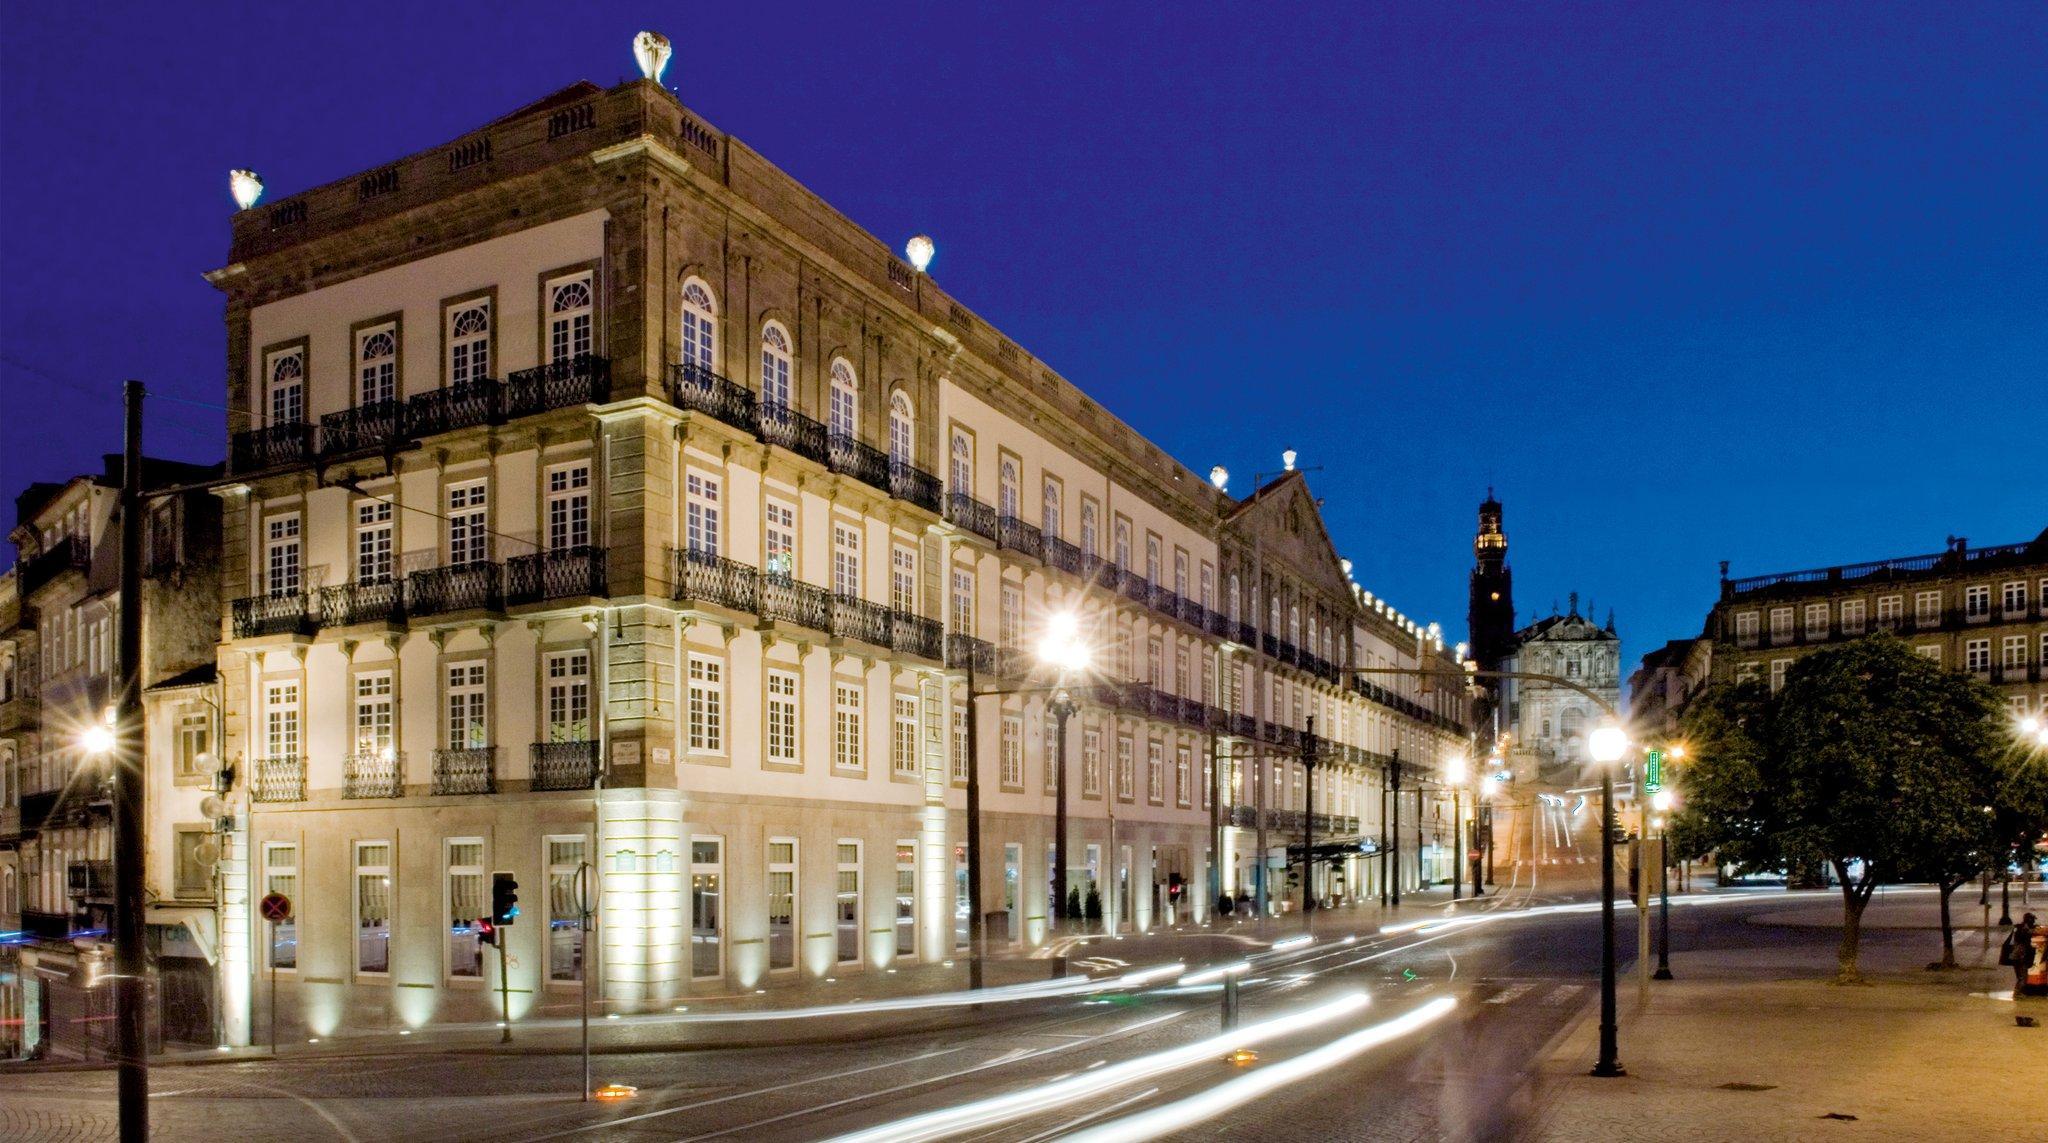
[[1756, 281]]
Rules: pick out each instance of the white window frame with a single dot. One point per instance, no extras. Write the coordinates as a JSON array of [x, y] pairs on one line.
[[450, 871], [903, 579], [469, 523], [284, 555], [1010, 756], [284, 375], [714, 868], [705, 704], [782, 711], [374, 713], [568, 506], [903, 735], [845, 869], [792, 867], [572, 317], [699, 325], [376, 365], [846, 539], [553, 868], [376, 542], [902, 430], [849, 710], [362, 870], [703, 495], [842, 411], [466, 704], [778, 367], [467, 327], [566, 695], [273, 870]]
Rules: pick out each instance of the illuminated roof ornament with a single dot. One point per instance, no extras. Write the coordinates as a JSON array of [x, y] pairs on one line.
[[920, 250], [651, 51], [1220, 477], [1287, 459], [246, 186]]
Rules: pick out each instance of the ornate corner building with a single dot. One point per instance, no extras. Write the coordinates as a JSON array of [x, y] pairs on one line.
[[600, 499]]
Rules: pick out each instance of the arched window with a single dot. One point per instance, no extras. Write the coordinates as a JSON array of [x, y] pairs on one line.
[[960, 477], [377, 366], [700, 326], [775, 358], [1312, 645], [288, 388], [569, 310], [1049, 519], [1006, 489], [1230, 599], [843, 414], [902, 430], [1273, 616], [1294, 625], [1088, 530], [469, 342]]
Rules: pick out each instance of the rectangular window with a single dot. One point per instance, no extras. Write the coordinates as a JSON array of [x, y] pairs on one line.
[[782, 902], [469, 342], [281, 555], [1180, 671], [1208, 780], [1977, 655], [191, 878], [1183, 776], [903, 737], [568, 507], [1126, 769], [469, 725], [701, 508], [1889, 610], [1930, 651], [778, 539], [960, 744], [569, 317], [373, 541], [2012, 652], [1778, 667], [782, 718], [906, 898], [963, 601], [1926, 607], [1013, 753], [845, 560], [373, 906], [466, 903], [707, 907], [281, 875], [469, 535], [1852, 616], [1745, 628], [1781, 622], [1010, 621], [567, 892], [373, 714], [2013, 599], [846, 902], [1977, 601], [281, 720], [1091, 763], [568, 697], [707, 705], [1051, 756], [1816, 620], [195, 743], [903, 580], [1155, 664], [846, 720], [1155, 773]]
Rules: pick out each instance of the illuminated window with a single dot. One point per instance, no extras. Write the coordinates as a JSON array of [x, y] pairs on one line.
[[902, 431], [466, 903], [846, 726], [373, 906], [903, 736], [782, 902], [469, 535], [569, 318], [568, 883], [707, 906], [782, 717], [287, 371], [706, 705], [281, 875], [469, 342], [776, 400], [377, 365], [373, 542], [568, 506], [843, 411], [847, 902], [700, 330]]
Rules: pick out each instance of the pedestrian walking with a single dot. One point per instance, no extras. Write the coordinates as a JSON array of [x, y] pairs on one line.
[[2018, 951]]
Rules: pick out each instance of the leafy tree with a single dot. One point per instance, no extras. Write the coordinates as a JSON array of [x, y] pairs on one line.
[[1871, 760]]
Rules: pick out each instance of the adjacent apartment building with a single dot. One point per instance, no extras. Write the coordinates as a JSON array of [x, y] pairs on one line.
[[604, 508], [1980, 610], [59, 676]]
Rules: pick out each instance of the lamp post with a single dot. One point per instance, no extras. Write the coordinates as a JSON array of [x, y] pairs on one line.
[[1062, 649], [1454, 777], [1489, 789], [1663, 801], [1607, 744]]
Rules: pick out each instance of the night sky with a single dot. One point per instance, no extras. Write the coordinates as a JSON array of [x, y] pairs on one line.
[[1764, 282]]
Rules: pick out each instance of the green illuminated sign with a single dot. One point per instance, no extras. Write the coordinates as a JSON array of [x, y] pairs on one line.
[[1653, 772]]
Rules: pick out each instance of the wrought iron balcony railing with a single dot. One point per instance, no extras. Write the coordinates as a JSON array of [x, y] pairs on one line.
[[784, 426], [699, 389], [290, 614], [454, 587], [793, 601], [1062, 556], [965, 652], [916, 635], [471, 770], [365, 428], [378, 774], [381, 601], [855, 618], [279, 778], [850, 456], [585, 379], [909, 483], [272, 447], [564, 573], [564, 765], [710, 578], [966, 512], [1018, 536]]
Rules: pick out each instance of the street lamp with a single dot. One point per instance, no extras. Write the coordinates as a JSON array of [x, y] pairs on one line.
[[1664, 801], [1606, 745], [1454, 777], [1062, 649], [1489, 789]]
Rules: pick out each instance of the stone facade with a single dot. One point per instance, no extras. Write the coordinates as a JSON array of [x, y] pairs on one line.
[[607, 510], [1551, 721]]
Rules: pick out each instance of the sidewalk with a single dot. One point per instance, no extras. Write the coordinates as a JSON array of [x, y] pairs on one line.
[[1759, 1044]]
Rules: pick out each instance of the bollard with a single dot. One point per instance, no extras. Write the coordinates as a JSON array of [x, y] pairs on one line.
[[1229, 1001], [1987, 922]]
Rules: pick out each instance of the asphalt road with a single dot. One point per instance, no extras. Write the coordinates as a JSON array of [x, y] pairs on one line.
[[1125, 1064]]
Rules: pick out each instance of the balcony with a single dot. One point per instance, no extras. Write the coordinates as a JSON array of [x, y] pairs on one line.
[[93, 880], [279, 779], [378, 774], [1018, 536], [274, 447], [467, 771], [564, 765], [1133, 586], [967, 653], [700, 390], [368, 428], [585, 379], [460, 406], [793, 601], [68, 554], [1244, 817], [909, 483], [565, 573], [706, 577], [1062, 556], [283, 614], [965, 511], [855, 618], [916, 635], [455, 587], [46, 926], [848, 456], [382, 601], [784, 426]]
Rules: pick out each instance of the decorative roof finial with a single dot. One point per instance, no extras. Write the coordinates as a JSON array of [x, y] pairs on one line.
[[1575, 603], [651, 51]]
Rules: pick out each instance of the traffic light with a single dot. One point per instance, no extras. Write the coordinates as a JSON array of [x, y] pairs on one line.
[[504, 899], [486, 933], [1175, 886]]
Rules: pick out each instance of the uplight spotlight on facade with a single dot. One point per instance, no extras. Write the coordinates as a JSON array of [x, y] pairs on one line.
[[920, 250], [651, 51]]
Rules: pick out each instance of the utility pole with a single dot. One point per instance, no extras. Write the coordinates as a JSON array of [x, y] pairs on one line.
[[1308, 821], [1259, 870], [1394, 854], [1215, 821], [130, 967], [975, 935]]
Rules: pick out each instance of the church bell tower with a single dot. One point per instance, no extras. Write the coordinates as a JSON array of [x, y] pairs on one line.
[[1490, 615]]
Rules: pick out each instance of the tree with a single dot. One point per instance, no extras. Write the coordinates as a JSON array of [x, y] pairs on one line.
[[1871, 761]]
